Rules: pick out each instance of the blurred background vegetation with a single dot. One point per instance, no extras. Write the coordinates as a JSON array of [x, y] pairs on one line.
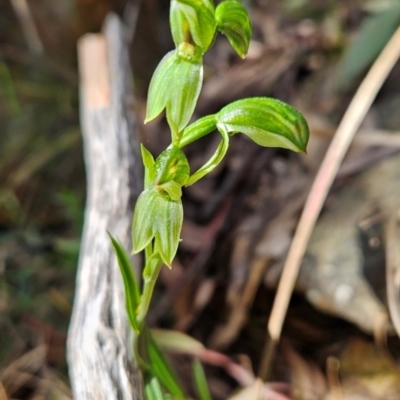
[[42, 175]]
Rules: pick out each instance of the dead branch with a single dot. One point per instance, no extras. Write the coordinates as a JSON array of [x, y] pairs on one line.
[[99, 342]]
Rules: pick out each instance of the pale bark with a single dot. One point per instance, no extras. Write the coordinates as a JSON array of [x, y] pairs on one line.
[[99, 340]]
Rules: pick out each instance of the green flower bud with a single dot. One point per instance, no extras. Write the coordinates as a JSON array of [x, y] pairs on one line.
[[171, 165], [192, 21]]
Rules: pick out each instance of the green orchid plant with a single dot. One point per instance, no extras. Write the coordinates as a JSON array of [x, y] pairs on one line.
[[158, 215]]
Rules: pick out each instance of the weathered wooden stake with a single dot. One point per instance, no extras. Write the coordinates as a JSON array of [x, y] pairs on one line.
[[99, 341]]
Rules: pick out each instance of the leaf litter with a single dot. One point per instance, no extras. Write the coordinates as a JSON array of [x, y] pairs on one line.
[[240, 221]]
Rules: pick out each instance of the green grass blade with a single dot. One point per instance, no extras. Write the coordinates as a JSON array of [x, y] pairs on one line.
[[200, 381], [375, 32], [162, 370], [132, 291], [152, 389], [8, 91]]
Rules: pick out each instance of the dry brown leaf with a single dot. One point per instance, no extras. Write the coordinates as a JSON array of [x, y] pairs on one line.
[[368, 372], [307, 380]]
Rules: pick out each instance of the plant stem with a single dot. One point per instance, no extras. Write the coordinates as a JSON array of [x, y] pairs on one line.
[[148, 287], [150, 275]]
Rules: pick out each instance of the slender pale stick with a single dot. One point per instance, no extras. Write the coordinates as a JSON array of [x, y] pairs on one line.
[[346, 130], [392, 239], [28, 25]]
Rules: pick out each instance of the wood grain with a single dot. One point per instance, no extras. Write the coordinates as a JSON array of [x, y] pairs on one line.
[[99, 340]]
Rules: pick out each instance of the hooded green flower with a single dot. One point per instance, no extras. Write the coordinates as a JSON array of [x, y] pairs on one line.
[[159, 213], [175, 86]]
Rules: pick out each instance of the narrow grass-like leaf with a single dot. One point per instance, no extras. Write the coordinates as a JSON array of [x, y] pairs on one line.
[[161, 368], [132, 291], [234, 22], [8, 91], [153, 389], [213, 162], [375, 32], [200, 381], [193, 19], [268, 122]]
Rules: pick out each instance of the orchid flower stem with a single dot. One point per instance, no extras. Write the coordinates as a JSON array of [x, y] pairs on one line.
[[148, 287], [150, 276], [158, 215]]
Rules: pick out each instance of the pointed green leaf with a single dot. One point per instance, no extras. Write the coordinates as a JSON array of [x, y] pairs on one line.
[[192, 20], [171, 165], [198, 129], [148, 162], [184, 91], [132, 291], [148, 159], [200, 381], [168, 229], [268, 122], [234, 22], [160, 86], [213, 162], [143, 219]]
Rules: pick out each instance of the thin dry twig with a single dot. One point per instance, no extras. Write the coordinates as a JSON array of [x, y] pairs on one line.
[[25, 18], [3, 393], [351, 121], [332, 371], [393, 269], [236, 371], [23, 370], [378, 137]]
